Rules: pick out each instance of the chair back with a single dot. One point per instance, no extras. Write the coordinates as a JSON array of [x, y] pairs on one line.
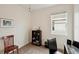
[[52, 44], [8, 40]]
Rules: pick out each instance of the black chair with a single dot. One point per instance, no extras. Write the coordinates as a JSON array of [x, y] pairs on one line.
[[69, 42], [65, 51], [52, 46], [76, 44]]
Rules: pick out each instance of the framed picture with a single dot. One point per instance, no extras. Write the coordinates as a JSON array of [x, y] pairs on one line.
[[6, 22]]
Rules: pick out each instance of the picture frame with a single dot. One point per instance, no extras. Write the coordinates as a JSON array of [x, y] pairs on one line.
[[4, 22]]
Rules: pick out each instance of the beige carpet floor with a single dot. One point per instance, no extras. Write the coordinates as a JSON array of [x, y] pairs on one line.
[[33, 49]]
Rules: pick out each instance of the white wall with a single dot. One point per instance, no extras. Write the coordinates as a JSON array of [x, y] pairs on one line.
[[76, 22], [42, 18], [39, 18], [21, 16]]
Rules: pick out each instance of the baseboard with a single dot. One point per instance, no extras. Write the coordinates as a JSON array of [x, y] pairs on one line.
[[24, 45]]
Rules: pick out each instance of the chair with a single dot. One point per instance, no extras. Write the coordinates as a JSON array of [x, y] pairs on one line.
[[9, 46], [52, 46]]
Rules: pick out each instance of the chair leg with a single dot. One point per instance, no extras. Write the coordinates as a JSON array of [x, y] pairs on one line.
[[52, 51], [17, 50]]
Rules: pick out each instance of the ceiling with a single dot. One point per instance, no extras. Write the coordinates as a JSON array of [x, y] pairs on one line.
[[39, 6]]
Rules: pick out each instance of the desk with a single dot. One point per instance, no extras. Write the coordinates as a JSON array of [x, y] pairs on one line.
[[73, 50]]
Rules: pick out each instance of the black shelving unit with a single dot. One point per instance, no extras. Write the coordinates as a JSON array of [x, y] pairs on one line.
[[36, 37]]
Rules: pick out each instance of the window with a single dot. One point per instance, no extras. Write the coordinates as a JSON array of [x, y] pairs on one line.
[[58, 24]]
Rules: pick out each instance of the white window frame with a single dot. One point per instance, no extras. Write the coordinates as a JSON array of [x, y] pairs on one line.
[[61, 18]]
